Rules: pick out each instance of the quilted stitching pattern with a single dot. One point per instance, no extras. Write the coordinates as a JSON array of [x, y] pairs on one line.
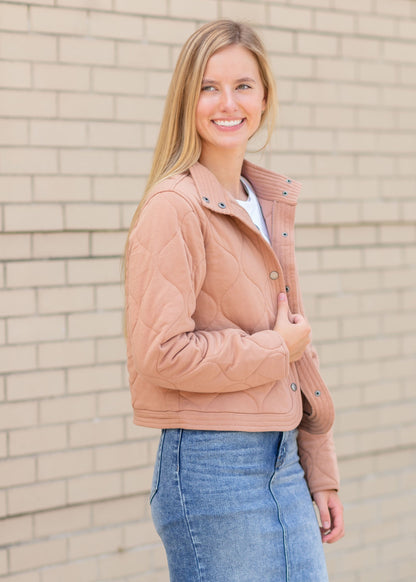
[[201, 307]]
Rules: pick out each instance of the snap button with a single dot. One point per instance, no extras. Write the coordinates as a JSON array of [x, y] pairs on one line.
[[289, 181], [317, 392], [274, 275], [285, 234], [285, 193], [287, 288], [221, 204], [293, 387], [205, 199]]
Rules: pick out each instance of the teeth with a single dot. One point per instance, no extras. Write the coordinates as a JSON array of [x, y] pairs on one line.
[[230, 123]]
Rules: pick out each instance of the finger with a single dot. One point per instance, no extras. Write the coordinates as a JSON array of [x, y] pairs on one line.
[[282, 308]]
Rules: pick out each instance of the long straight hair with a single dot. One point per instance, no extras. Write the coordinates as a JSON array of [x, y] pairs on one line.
[[179, 145]]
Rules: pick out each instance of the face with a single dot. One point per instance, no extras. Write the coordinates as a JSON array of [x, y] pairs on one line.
[[231, 101]]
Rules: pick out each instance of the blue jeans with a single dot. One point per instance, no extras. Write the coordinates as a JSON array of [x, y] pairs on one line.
[[235, 507]]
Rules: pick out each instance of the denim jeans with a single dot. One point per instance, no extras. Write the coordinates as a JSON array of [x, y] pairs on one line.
[[235, 507]]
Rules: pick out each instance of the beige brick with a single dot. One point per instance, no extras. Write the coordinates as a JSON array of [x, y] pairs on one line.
[[335, 69], [407, 29], [133, 7], [143, 56], [60, 77], [137, 163], [67, 409], [141, 533], [399, 97], [116, 26], [59, 21], [358, 95], [93, 4], [70, 353], [399, 8], [57, 188], [123, 456], [407, 119], [99, 324], [128, 213], [317, 44], [98, 432], [286, 17], [105, 541], [16, 472], [35, 385], [17, 302], [376, 302], [85, 571], [15, 358], [58, 133], [124, 564], [36, 329], [36, 440], [315, 140], [85, 106], [13, 132], [15, 188], [108, 243], [327, 283], [86, 51], [137, 481], [360, 281], [15, 246], [343, 351], [95, 487], [84, 271], [17, 415], [94, 379], [406, 166], [110, 297], [381, 348], [17, 529], [249, 11], [139, 108], [111, 350], [37, 554], [59, 521], [357, 141], [117, 81], [338, 213], [340, 259], [376, 26], [123, 135], [92, 216], [35, 273], [361, 326], [377, 73], [37, 497], [394, 234], [380, 256], [13, 17], [362, 188], [356, 47], [58, 245], [119, 510], [28, 161], [26, 47], [84, 161], [33, 217], [307, 260], [67, 299], [161, 28], [3, 512], [357, 235], [3, 445], [284, 42], [336, 305], [66, 464], [398, 52], [399, 323]]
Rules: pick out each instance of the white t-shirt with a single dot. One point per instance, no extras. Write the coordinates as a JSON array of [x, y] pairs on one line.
[[253, 208]]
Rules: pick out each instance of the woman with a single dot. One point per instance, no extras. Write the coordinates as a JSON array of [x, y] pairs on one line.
[[219, 350]]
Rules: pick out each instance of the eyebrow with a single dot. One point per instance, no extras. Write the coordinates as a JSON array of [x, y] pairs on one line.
[[242, 80]]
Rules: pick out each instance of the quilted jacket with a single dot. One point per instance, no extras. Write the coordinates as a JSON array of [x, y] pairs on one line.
[[201, 303]]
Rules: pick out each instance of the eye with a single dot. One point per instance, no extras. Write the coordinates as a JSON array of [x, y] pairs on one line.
[[207, 88], [244, 86]]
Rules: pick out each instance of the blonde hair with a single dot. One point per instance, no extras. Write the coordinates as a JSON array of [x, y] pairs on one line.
[[179, 146]]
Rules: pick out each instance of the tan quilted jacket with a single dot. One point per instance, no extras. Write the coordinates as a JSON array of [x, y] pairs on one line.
[[201, 303]]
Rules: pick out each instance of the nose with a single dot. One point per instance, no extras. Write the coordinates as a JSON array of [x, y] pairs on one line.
[[228, 102]]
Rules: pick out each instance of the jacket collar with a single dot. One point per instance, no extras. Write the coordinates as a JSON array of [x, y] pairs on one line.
[[267, 186]]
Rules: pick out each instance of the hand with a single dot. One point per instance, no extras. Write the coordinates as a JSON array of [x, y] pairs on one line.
[[331, 514], [294, 329]]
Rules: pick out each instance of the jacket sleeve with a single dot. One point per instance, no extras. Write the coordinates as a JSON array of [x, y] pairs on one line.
[[165, 270], [318, 460]]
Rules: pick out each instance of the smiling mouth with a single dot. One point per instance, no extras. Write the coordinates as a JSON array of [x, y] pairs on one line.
[[228, 122]]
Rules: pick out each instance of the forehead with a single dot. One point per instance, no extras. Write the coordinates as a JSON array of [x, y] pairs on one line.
[[233, 60]]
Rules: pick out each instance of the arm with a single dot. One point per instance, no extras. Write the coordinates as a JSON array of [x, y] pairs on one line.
[[165, 274]]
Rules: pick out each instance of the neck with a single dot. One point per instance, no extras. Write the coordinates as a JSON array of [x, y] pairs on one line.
[[227, 170]]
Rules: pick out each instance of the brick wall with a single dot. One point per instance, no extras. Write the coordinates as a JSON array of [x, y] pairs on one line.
[[82, 90]]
